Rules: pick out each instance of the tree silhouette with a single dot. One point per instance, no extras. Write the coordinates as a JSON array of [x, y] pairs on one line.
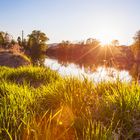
[[92, 41], [136, 46], [115, 43], [5, 39], [37, 44], [19, 41], [1, 38]]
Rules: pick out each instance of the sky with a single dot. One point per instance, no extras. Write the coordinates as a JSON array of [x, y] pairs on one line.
[[73, 20]]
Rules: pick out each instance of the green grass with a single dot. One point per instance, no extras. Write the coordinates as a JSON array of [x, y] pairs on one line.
[[37, 103]]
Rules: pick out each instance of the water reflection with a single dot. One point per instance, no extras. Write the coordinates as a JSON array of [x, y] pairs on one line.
[[38, 59], [96, 73]]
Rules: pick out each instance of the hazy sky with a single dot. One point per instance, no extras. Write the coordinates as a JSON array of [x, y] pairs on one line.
[[72, 19]]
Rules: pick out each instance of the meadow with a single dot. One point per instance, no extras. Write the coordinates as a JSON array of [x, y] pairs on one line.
[[36, 103]]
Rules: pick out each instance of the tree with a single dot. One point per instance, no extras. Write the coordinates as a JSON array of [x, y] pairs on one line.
[[5, 39], [8, 38], [115, 43], [19, 41], [64, 44], [13, 42], [37, 44], [136, 46], [92, 41], [37, 40], [25, 44], [1, 38]]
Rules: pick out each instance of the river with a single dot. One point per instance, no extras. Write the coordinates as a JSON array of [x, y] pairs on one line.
[[92, 72]]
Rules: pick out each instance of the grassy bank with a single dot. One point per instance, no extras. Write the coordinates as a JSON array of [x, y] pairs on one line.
[[37, 104], [13, 57]]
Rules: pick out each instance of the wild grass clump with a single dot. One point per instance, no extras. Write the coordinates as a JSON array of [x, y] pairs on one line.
[[33, 76], [114, 106], [65, 108], [14, 101]]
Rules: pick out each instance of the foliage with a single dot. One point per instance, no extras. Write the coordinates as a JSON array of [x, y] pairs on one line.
[[37, 45], [115, 43], [136, 44], [5, 39], [92, 41], [76, 52], [19, 40], [1, 38], [37, 40]]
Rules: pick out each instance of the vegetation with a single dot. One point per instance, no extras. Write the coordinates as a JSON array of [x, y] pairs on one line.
[[136, 46], [91, 51], [5, 39], [36, 45], [36, 103]]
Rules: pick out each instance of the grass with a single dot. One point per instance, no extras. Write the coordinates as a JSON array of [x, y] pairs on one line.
[[37, 104]]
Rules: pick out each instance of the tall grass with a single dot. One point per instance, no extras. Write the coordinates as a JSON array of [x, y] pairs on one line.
[[37, 104]]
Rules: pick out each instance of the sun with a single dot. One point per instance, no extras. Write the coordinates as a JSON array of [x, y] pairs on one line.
[[105, 40], [106, 37], [107, 32]]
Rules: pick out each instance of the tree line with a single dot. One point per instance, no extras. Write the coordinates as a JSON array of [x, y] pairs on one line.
[[35, 43], [92, 49]]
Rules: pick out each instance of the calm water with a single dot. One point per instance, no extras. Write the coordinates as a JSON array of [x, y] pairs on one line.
[[94, 73]]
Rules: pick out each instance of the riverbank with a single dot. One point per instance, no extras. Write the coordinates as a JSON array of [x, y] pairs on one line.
[[13, 57], [37, 103]]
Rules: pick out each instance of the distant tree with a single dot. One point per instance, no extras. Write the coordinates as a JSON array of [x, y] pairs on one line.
[[64, 44], [92, 41], [37, 40], [1, 38], [89, 41], [136, 46], [13, 42], [81, 42], [115, 43], [137, 36], [25, 44], [19, 40], [37, 44], [64, 47], [5, 39]]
